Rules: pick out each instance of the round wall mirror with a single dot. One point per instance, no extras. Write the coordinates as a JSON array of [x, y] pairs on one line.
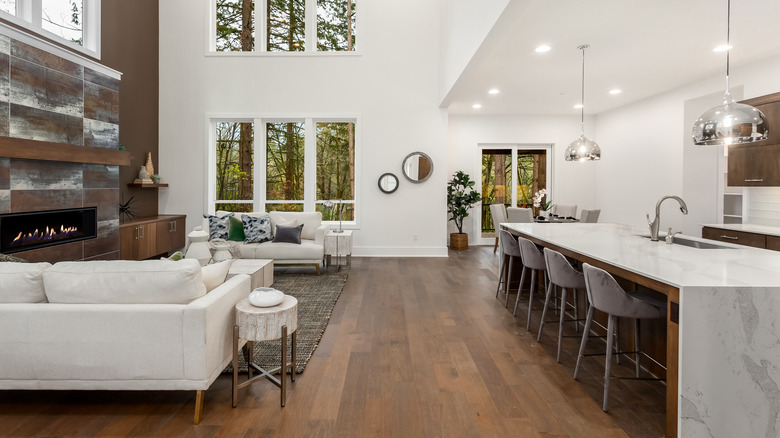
[[388, 183], [417, 167]]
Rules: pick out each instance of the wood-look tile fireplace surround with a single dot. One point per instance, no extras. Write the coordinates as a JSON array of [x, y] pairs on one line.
[[59, 141]]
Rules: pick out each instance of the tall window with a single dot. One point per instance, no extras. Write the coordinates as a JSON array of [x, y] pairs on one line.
[[284, 166], [73, 22], [301, 164], [234, 166], [285, 25]]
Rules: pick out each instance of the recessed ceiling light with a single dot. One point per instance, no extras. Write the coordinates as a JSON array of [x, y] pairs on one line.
[[476, 106], [578, 106], [721, 48], [615, 91], [494, 91], [543, 48]]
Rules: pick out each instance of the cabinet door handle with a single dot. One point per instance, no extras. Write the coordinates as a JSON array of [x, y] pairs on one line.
[[755, 180], [729, 237], [136, 233], [142, 232]]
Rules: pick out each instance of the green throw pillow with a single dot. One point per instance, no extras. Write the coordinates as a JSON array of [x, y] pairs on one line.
[[236, 232], [175, 257]]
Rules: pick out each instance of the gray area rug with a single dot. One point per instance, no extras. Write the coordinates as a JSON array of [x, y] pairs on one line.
[[317, 295]]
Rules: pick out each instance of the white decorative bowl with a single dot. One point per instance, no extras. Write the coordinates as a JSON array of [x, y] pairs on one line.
[[266, 297]]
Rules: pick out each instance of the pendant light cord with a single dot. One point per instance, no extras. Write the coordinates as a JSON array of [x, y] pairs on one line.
[[582, 99], [728, 43]]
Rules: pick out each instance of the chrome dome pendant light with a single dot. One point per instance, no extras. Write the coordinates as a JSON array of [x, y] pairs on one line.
[[583, 148], [731, 122]]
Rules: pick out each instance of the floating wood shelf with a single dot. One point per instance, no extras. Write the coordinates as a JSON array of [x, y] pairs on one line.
[[49, 151], [146, 186]]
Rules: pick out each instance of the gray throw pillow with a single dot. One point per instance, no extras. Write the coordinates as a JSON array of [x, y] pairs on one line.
[[218, 226], [256, 229], [288, 234]]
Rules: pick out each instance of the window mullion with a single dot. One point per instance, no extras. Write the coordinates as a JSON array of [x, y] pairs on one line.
[[261, 168], [33, 12], [261, 26], [310, 30], [310, 166]]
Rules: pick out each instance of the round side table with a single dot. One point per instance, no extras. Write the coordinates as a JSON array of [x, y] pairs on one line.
[[255, 324]]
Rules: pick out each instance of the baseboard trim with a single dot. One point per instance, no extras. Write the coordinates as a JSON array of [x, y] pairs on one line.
[[399, 251]]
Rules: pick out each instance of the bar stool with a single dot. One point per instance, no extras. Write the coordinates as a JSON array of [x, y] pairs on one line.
[[607, 296], [533, 259], [511, 249], [563, 275]]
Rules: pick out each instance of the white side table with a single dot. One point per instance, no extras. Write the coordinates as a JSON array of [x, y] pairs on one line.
[[255, 324], [339, 245]]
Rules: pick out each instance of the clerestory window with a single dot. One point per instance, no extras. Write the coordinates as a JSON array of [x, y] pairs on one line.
[[74, 23], [283, 26]]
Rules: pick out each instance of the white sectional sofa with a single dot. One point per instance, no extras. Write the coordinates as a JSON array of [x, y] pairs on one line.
[[310, 252], [115, 325]]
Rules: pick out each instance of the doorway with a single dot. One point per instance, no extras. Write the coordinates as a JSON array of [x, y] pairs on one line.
[[510, 175]]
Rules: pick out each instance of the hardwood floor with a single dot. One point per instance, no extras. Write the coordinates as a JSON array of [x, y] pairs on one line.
[[415, 347]]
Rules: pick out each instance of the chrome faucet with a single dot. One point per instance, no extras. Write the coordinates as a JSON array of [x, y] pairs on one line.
[[656, 223]]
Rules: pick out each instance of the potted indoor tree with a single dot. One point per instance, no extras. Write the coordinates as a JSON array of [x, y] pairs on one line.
[[461, 197]]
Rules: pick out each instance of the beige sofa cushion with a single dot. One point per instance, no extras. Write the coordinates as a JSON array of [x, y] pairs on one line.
[[310, 221], [22, 282], [124, 282], [306, 250]]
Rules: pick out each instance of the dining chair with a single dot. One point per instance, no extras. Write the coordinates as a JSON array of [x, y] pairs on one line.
[[533, 260], [511, 250], [561, 210], [519, 215], [498, 213], [606, 295], [590, 216]]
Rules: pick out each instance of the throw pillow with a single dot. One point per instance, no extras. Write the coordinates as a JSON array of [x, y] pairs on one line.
[[218, 226], [288, 234], [256, 229], [175, 257], [215, 274], [8, 258], [236, 231], [285, 223]]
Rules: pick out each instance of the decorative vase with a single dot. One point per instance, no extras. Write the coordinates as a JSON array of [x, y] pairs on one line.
[[199, 246], [266, 297], [459, 241], [222, 252]]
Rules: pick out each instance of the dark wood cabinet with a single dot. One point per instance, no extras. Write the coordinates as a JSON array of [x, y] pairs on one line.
[[758, 164], [151, 236], [739, 237]]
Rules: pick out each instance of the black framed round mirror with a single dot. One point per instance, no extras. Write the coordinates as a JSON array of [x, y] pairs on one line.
[[388, 183], [417, 167]]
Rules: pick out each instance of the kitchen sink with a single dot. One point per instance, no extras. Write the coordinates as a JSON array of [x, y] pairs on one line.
[[679, 240]]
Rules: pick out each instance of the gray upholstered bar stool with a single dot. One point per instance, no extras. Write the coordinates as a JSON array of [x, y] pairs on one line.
[[563, 275], [607, 296], [511, 250], [533, 260]]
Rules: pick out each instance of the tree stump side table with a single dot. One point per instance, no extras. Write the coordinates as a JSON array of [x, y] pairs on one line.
[[255, 324]]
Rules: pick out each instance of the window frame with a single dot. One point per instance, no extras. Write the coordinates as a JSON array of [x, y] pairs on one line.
[[259, 200], [261, 45], [29, 17]]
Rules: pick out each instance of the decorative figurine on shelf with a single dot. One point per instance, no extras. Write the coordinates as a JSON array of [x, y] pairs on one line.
[[143, 177], [156, 179], [149, 166]]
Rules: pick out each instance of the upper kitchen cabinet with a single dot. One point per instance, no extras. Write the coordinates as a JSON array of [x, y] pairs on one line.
[[758, 164]]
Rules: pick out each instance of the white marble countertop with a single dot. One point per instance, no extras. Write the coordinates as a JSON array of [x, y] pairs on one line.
[[677, 265], [747, 228]]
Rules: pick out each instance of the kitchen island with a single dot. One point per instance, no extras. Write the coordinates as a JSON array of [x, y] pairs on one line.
[[723, 339]]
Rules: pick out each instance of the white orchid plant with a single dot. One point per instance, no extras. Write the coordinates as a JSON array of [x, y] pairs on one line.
[[537, 198]]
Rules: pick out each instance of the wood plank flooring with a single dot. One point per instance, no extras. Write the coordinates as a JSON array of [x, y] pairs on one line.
[[415, 347]]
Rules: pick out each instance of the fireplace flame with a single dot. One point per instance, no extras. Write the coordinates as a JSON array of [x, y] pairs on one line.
[[42, 236]]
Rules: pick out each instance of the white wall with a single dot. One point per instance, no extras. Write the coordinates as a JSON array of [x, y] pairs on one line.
[[392, 84], [643, 152], [572, 182], [465, 24]]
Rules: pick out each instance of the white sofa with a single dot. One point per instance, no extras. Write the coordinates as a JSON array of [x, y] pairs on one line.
[[310, 252], [115, 325]]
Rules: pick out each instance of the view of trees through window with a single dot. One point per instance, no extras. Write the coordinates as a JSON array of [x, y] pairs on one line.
[[235, 166], [285, 170], [285, 25], [8, 6], [63, 18], [497, 179]]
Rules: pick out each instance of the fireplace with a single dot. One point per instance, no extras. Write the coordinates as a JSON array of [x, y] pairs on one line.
[[39, 229]]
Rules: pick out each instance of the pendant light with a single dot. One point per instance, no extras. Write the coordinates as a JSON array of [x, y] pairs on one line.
[[731, 122], [583, 148]]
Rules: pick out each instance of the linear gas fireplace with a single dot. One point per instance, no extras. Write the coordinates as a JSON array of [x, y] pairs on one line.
[[38, 229]]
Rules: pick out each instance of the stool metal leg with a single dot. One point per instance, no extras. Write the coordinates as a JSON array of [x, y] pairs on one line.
[[637, 348], [501, 274], [293, 354], [508, 282], [531, 299], [544, 311], [560, 323], [284, 365], [585, 332], [608, 364], [519, 288]]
